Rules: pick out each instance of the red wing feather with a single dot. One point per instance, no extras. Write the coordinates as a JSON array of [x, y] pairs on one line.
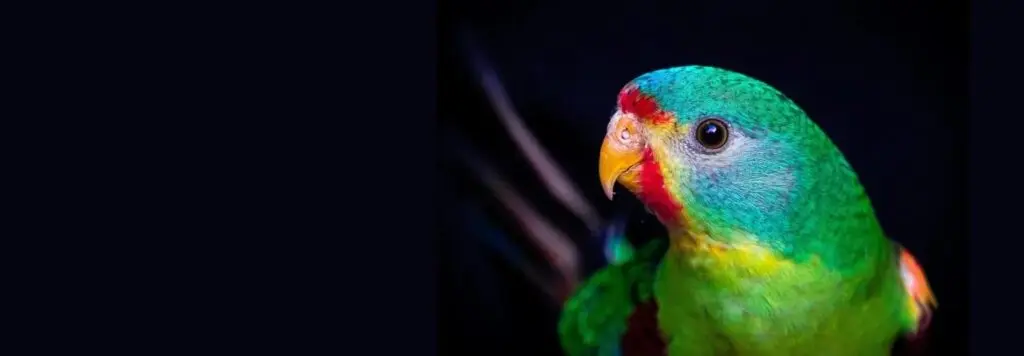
[[643, 338]]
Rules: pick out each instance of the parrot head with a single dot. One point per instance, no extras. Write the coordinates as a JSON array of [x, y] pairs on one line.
[[720, 155]]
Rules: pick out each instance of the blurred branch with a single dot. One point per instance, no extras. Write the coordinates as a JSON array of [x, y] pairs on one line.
[[556, 247], [550, 172], [497, 240]]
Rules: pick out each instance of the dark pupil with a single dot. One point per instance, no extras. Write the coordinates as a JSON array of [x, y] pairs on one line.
[[712, 134]]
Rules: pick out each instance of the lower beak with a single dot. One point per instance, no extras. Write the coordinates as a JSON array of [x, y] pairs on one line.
[[617, 159]]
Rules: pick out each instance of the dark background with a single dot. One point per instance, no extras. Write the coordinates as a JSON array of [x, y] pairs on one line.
[[886, 82], [262, 114]]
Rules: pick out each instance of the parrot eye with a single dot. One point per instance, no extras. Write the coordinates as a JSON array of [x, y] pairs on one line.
[[712, 133]]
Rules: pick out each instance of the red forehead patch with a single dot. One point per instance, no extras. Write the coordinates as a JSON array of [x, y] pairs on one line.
[[632, 101]]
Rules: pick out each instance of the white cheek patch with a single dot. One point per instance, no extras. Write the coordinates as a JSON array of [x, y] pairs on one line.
[[764, 189], [776, 181], [734, 150]]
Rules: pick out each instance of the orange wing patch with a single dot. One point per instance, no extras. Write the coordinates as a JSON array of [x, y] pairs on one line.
[[919, 295]]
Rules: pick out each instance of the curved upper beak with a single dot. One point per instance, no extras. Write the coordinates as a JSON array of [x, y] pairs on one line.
[[621, 150]]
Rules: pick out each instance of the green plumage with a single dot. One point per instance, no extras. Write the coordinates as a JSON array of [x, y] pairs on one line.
[[596, 315], [778, 251]]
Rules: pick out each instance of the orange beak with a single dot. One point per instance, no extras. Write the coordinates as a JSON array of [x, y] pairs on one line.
[[621, 152]]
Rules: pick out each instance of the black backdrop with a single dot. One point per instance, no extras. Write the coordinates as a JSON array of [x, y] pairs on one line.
[[886, 81]]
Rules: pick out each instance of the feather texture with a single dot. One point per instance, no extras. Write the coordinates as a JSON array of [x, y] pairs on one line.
[[598, 315]]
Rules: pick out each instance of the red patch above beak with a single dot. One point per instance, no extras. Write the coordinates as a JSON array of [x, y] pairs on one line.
[[632, 101]]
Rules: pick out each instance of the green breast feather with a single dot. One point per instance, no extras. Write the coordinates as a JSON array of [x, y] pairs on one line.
[[595, 317]]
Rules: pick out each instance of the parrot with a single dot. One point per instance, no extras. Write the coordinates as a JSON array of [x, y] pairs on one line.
[[772, 247]]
